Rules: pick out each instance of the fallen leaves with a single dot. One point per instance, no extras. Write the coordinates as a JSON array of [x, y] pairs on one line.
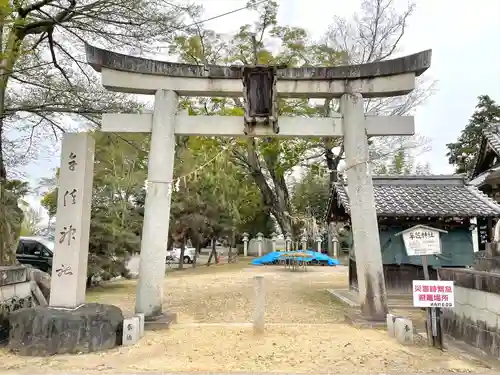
[[304, 333]]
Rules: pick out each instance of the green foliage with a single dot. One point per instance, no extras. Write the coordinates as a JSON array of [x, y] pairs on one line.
[[310, 196], [215, 201], [49, 202], [373, 35], [12, 193], [461, 153], [257, 159], [31, 218], [218, 200]]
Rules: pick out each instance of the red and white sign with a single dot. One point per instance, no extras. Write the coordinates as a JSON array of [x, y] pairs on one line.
[[433, 293]]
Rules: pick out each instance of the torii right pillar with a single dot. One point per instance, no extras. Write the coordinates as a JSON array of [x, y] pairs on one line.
[[369, 267]]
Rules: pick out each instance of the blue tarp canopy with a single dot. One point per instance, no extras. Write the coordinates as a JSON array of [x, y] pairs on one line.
[[314, 257]]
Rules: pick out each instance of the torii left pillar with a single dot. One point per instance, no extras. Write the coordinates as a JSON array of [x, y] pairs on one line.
[[149, 299]]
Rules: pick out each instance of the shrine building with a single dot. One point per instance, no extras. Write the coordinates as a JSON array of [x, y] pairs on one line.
[[485, 175], [443, 202]]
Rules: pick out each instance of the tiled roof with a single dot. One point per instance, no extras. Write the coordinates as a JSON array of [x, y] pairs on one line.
[[492, 135], [491, 138], [431, 196]]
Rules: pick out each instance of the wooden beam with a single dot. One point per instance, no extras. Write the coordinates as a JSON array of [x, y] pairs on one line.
[[232, 126]]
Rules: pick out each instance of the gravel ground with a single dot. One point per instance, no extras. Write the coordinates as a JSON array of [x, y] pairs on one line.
[[213, 305]]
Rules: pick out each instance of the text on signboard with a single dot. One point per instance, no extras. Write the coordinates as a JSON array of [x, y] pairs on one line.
[[432, 288], [421, 235]]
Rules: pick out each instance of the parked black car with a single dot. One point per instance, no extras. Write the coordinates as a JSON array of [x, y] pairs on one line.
[[37, 252]]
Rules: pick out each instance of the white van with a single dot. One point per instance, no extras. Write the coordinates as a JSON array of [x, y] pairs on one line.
[[189, 254]]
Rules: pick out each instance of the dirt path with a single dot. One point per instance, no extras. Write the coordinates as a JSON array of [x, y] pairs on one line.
[[306, 331]]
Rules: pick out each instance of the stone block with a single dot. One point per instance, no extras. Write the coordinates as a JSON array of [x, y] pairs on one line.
[[468, 312], [403, 330], [457, 309], [461, 295], [45, 331], [22, 290], [7, 292], [489, 318], [131, 331], [477, 298], [141, 323], [12, 274], [493, 303], [390, 318]]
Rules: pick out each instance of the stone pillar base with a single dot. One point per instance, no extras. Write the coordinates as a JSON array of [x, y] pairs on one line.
[[159, 322], [46, 331]]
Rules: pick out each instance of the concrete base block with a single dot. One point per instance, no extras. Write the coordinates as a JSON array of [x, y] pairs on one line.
[[162, 321], [131, 331], [141, 323], [403, 330]]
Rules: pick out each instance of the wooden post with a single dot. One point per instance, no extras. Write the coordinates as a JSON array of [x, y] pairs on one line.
[[440, 330], [430, 336], [260, 305], [434, 322]]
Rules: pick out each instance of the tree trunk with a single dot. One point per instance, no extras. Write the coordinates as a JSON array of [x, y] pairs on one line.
[[181, 256], [278, 202], [214, 250], [196, 252], [10, 46], [8, 237]]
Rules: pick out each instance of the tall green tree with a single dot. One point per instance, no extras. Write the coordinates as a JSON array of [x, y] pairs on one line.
[[373, 36], [462, 153], [214, 200], [311, 195], [44, 81]]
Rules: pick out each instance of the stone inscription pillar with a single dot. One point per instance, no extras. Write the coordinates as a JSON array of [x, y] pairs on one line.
[[149, 297], [69, 265], [372, 292]]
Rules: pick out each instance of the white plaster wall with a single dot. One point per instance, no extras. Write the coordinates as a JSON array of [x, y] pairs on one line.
[[253, 250], [280, 244], [477, 305]]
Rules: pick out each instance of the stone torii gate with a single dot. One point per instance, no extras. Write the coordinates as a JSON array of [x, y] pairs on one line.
[[167, 81]]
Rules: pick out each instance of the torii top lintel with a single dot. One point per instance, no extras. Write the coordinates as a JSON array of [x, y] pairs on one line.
[[103, 60]]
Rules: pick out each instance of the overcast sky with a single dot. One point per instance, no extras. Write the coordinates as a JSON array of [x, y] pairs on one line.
[[463, 34]]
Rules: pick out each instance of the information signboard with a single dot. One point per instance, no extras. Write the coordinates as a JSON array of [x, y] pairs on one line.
[[421, 240], [433, 293]]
